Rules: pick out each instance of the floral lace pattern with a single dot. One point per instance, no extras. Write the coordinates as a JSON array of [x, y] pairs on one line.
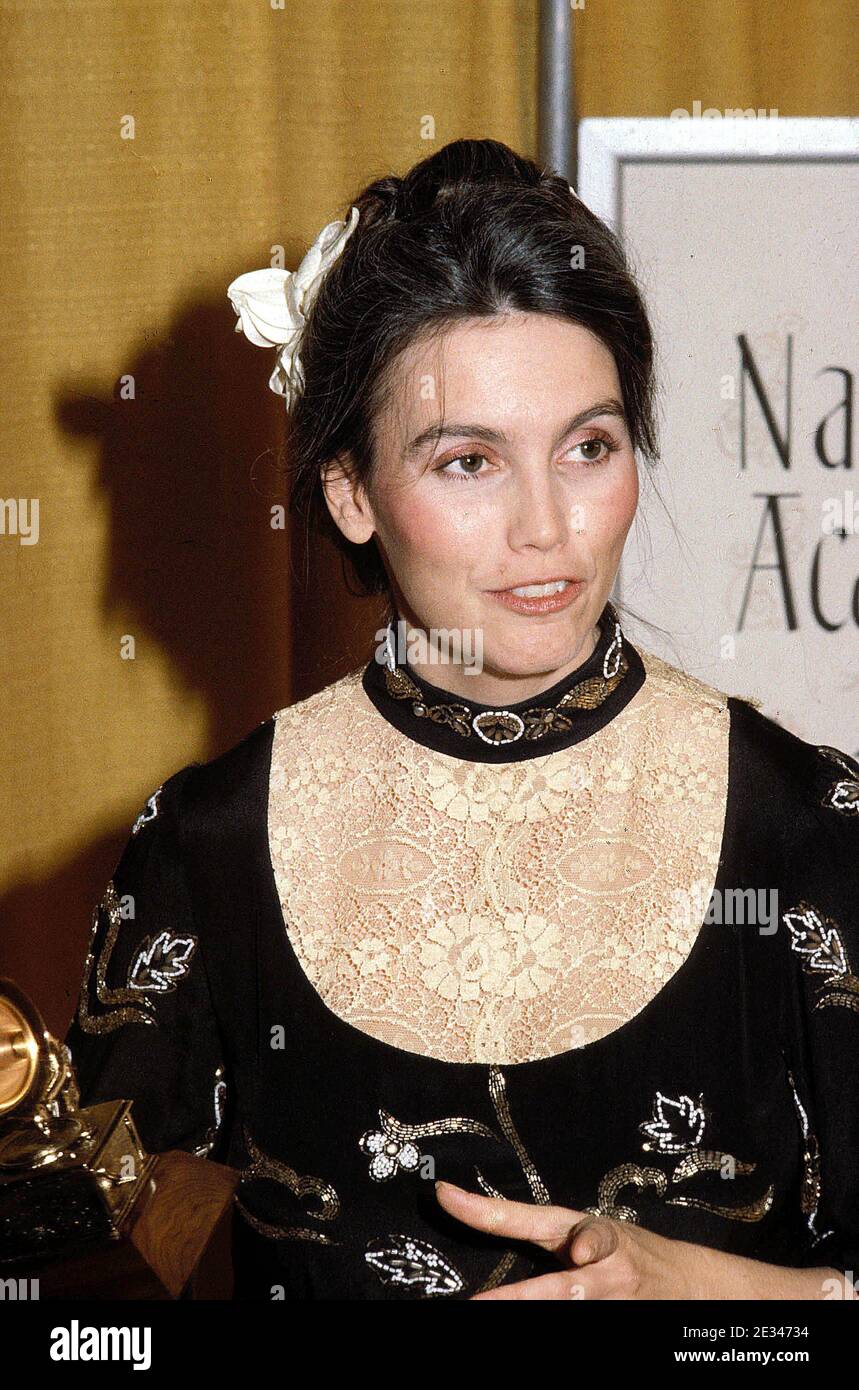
[[497, 913]]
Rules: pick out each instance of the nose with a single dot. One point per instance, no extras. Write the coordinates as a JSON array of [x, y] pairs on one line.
[[539, 512]]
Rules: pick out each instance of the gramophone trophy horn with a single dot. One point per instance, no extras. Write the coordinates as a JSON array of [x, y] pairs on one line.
[[67, 1175]]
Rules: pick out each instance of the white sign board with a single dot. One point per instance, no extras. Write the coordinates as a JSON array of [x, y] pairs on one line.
[[743, 234]]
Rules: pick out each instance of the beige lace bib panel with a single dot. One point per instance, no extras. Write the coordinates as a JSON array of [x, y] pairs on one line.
[[478, 912]]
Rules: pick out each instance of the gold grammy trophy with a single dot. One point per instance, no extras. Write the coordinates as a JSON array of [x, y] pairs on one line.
[[81, 1202], [66, 1175]]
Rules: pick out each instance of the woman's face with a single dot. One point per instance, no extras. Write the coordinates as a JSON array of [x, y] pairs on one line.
[[503, 459]]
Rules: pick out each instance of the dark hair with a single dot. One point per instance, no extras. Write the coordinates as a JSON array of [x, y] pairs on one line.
[[472, 231]]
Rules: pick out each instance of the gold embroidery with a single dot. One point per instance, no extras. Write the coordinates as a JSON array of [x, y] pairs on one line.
[[625, 1175], [498, 1092], [834, 997], [811, 1185], [108, 1022], [456, 1124], [497, 913], [499, 1273], [402, 687], [506, 726], [486, 1187], [591, 693], [630, 1174], [262, 1165], [392, 1148], [677, 1126], [707, 1161], [301, 1185], [755, 1211], [274, 1232]]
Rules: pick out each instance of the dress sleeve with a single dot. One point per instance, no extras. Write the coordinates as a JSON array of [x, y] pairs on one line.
[[144, 1028], [823, 934]]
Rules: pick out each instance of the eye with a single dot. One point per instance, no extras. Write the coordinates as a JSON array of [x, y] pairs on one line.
[[464, 476], [593, 448], [596, 449]]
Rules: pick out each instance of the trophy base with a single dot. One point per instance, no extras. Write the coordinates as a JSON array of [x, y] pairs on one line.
[[84, 1194], [174, 1241], [85, 1212]]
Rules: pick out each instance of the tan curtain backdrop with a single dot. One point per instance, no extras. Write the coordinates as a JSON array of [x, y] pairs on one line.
[[141, 423]]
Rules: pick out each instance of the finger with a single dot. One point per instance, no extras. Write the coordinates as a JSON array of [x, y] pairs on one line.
[[546, 1226], [593, 1239], [569, 1284]]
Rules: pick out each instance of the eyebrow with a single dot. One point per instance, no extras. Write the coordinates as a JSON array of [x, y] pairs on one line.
[[433, 433]]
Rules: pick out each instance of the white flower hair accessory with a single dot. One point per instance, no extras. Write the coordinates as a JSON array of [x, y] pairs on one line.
[[272, 305]]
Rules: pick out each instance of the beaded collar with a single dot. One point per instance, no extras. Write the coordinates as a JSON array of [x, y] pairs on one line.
[[567, 712]]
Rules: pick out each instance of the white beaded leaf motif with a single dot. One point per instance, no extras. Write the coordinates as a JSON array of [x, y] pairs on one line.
[[404, 1262]]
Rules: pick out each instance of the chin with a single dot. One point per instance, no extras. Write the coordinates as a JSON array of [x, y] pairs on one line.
[[557, 632], [532, 656]]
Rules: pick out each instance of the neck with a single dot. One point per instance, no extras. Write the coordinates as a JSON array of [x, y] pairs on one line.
[[565, 708], [488, 685]]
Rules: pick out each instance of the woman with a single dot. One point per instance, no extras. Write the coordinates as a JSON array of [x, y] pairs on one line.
[[548, 923]]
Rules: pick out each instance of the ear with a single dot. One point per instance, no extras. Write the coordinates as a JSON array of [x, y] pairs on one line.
[[347, 500]]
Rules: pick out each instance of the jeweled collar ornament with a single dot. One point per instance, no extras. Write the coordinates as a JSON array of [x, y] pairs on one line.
[[273, 305], [498, 727]]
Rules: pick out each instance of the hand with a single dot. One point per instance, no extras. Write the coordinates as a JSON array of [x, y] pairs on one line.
[[602, 1258]]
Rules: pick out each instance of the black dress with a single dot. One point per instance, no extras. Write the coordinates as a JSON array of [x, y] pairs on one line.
[[724, 1112]]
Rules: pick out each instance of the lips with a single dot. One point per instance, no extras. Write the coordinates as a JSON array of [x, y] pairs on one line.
[[527, 583], [551, 599]]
